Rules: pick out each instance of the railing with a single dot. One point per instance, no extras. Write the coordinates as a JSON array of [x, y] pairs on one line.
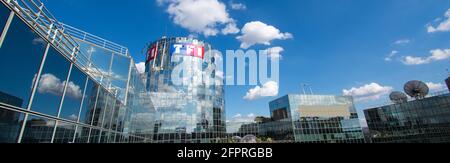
[[46, 25], [84, 36]]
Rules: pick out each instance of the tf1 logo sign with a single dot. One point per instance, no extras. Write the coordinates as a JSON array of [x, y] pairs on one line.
[[188, 50], [152, 53]]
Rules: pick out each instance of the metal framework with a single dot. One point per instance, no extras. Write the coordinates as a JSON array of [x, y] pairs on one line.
[[60, 35], [84, 36], [37, 17]]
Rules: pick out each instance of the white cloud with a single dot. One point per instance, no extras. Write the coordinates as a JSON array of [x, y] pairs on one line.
[[238, 120], [237, 6], [269, 89], [392, 55], [275, 52], [231, 28], [237, 115], [141, 67], [436, 86], [38, 41], [443, 26], [73, 117], [200, 16], [252, 115], [402, 42], [436, 55], [373, 91], [257, 32], [51, 84]]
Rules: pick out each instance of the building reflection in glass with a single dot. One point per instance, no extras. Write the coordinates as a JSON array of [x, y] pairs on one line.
[[193, 111]]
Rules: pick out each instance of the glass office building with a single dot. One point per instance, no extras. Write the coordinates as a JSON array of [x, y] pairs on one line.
[[419, 121], [62, 85], [185, 90], [314, 119], [304, 119]]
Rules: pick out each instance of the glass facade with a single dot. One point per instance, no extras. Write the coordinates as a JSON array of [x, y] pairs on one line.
[[10, 124], [187, 95], [4, 14], [90, 94], [303, 119], [420, 121], [52, 83], [20, 45], [316, 119]]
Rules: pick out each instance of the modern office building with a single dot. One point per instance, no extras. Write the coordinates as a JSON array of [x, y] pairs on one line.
[[307, 119], [62, 85], [315, 119], [417, 121], [187, 94]]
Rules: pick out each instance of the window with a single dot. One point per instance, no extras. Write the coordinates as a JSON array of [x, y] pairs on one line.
[[107, 112], [104, 137], [82, 134], [22, 46], [99, 57], [51, 84], [74, 94], [87, 111], [64, 133], [4, 14], [120, 69], [38, 130], [100, 108], [10, 123], [121, 119], [95, 136], [115, 115]]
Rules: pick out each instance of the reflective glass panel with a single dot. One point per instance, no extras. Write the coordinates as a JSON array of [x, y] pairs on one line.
[[4, 14], [64, 132], [95, 136], [82, 134], [99, 57], [87, 111], [121, 119], [38, 130], [22, 46], [104, 137], [100, 108], [115, 115], [10, 124], [51, 84], [108, 111], [120, 69], [74, 94]]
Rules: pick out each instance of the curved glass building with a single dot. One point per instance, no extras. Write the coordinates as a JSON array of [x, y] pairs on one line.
[[186, 92]]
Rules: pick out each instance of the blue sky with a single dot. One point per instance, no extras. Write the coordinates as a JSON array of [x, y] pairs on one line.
[[337, 45]]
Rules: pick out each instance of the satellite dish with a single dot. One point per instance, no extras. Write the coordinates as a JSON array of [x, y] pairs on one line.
[[416, 89], [398, 97]]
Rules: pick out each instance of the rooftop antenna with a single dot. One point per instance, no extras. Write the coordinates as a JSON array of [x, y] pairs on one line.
[[303, 85], [303, 88], [165, 30], [310, 90]]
